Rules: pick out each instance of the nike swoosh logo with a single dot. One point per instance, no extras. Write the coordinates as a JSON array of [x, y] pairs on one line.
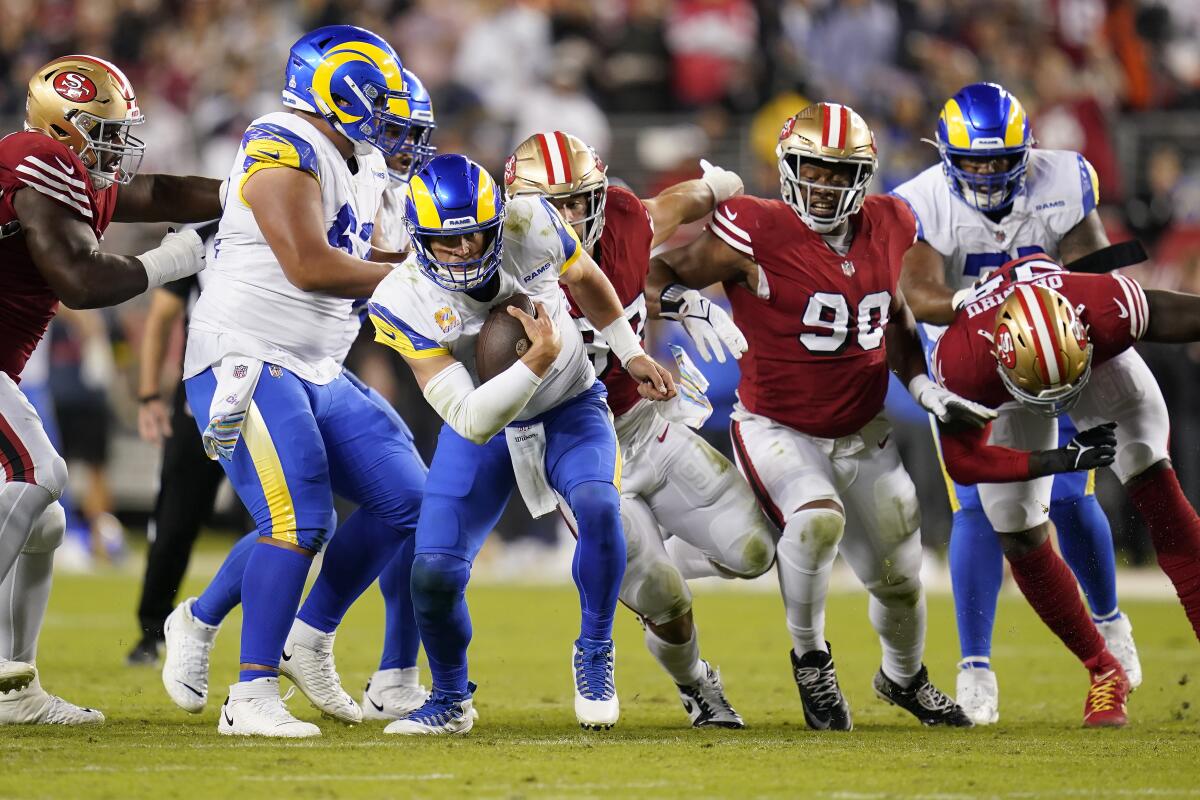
[[884, 441], [191, 689], [287, 656], [1124, 312], [67, 168], [272, 155], [388, 334], [664, 433], [731, 215], [225, 711], [378, 707]]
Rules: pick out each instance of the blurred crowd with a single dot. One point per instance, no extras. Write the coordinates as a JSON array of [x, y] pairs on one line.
[[655, 84]]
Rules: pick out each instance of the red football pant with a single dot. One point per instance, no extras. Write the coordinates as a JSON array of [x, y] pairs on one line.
[[1050, 588]]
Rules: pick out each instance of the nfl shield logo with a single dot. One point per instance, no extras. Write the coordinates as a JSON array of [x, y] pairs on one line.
[[1000, 235], [275, 370], [240, 371], [848, 268]]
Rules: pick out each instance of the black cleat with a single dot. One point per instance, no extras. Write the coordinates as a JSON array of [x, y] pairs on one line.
[[145, 652], [706, 704], [922, 699], [825, 708]]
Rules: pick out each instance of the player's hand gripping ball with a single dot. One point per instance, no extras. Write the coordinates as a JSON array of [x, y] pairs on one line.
[[502, 340]]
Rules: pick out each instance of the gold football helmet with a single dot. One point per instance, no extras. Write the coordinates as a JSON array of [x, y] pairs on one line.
[[89, 105], [1042, 350], [559, 165], [831, 135]]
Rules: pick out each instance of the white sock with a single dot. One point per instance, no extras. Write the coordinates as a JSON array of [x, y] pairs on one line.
[[806, 553], [681, 661], [24, 595], [690, 560], [901, 627], [20, 505]]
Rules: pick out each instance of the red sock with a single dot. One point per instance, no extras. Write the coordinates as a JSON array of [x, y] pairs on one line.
[[1175, 532], [1050, 588]]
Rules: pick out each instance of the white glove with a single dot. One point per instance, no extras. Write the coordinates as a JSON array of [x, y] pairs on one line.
[[221, 436], [946, 405], [723, 183], [707, 323], [690, 406], [180, 254]]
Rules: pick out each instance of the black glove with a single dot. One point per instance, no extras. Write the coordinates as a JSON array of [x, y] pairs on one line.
[[1095, 447]]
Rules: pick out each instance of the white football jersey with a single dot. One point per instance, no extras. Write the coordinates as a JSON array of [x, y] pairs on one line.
[[389, 225], [248, 306], [1060, 189], [419, 319]]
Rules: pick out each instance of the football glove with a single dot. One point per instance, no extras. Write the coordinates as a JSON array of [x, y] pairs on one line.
[[946, 405], [710, 326]]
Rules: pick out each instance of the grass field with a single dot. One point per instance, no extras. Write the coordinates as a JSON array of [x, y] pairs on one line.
[[527, 744]]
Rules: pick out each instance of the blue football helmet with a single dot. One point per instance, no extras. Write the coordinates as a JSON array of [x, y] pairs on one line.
[[984, 120], [353, 79], [453, 196], [415, 150]]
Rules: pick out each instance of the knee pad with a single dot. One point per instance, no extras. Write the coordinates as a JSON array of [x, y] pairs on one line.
[[438, 580], [656, 590], [898, 513], [48, 530], [750, 555], [52, 476], [894, 589], [815, 530]]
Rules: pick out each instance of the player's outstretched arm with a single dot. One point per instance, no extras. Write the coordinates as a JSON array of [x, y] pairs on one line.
[[690, 201], [67, 254], [598, 301], [698, 264], [922, 279], [970, 459], [168, 198], [1174, 317], [287, 207]]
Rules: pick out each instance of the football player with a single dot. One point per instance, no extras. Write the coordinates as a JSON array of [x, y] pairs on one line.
[[671, 478], [995, 197], [541, 423], [1058, 342], [264, 379], [70, 173], [812, 280]]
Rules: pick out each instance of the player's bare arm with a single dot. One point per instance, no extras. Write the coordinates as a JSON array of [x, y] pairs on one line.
[[1084, 239], [168, 198], [922, 278], [599, 303], [970, 459], [287, 207], [1174, 317], [68, 255], [154, 418], [700, 263], [690, 201]]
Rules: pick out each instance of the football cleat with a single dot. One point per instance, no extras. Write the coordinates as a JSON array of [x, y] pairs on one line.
[[922, 699], [15, 675], [1118, 637], [978, 694], [1104, 706], [825, 707], [145, 653], [307, 660], [188, 643], [596, 704], [440, 715], [33, 705], [705, 703], [254, 708], [393, 693]]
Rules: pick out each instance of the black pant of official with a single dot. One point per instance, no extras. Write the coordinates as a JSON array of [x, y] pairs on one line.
[[187, 490]]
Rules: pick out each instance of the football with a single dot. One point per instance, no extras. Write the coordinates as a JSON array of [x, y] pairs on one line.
[[502, 339]]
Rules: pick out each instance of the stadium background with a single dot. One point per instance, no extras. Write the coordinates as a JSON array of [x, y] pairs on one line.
[[653, 85]]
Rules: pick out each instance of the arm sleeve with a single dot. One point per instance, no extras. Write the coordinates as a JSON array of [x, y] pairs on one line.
[[478, 414], [970, 459]]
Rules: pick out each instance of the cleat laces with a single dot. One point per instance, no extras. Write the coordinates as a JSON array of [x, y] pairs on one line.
[[1102, 696], [821, 684], [934, 699], [439, 710], [594, 673]]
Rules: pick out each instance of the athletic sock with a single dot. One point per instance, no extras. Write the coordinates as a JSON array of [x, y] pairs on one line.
[[1086, 542], [1049, 586], [599, 562], [224, 591], [681, 661], [1175, 532], [401, 638], [976, 574], [271, 590]]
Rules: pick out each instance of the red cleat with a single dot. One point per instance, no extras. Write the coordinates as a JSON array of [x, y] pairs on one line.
[[1105, 703]]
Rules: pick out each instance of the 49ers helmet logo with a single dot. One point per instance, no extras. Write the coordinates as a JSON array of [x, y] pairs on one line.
[[1005, 351], [510, 170], [788, 127], [75, 87]]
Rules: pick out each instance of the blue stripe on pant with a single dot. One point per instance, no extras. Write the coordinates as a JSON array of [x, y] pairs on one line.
[[466, 492]]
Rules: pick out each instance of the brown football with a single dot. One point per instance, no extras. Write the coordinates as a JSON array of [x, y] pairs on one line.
[[502, 339]]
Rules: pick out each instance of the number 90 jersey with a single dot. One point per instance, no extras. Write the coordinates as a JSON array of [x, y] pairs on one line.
[[248, 306], [1060, 190], [816, 361]]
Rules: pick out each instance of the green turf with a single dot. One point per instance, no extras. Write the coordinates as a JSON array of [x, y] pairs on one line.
[[527, 744]]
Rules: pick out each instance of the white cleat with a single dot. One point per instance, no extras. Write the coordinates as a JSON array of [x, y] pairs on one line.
[[978, 694], [33, 705], [187, 645], [439, 716], [592, 668], [254, 708], [15, 675], [308, 662], [1118, 636], [393, 693], [706, 704]]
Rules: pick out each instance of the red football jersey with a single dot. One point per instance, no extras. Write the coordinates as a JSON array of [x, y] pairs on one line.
[[32, 160], [816, 361], [624, 256], [1112, 306]]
